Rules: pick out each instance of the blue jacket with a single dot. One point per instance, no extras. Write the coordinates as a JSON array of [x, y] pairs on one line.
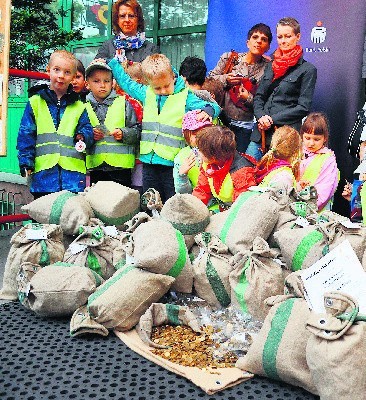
[[55, 178], [138, 91]]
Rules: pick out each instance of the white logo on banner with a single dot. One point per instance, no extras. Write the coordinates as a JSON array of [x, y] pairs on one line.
[[318, 33]]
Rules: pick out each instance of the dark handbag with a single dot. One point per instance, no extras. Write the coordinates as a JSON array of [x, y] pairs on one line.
[[355, 135]]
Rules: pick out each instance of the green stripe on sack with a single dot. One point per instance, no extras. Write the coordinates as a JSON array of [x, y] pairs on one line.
[[274, 337], [57, 207], [234, 210], [182, 256], [191, 229], [303, 249], [241, 287], [45, 256], [115, 221], [111, 281], [300, 209], [172, 311], [216, 283], [93, 263]]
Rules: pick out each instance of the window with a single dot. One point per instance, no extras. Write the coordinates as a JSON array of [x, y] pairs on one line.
[[177, 26]]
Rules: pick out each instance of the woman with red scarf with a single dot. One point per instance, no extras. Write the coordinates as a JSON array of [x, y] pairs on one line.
[[285, 93]]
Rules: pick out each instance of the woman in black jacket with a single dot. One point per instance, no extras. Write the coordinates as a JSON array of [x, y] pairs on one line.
[[285, 93], [129, 41]]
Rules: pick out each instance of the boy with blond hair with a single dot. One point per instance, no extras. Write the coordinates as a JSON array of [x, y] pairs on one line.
[[54, 120], [165, 99]]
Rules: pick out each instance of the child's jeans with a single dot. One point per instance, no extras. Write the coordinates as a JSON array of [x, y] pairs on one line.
[[159, 177]]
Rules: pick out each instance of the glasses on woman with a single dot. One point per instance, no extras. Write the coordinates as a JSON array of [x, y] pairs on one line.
[[129, 16]]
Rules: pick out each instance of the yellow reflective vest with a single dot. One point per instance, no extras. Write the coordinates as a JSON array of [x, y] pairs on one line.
[[194, 171], [269, 177], [108, 149], [56, 146], [162, 133], [226, 190]]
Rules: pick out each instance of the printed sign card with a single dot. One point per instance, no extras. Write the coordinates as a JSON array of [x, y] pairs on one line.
[[339, 270]]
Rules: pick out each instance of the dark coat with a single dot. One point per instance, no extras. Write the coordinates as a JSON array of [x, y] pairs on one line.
[[290, 101], [108, 51]]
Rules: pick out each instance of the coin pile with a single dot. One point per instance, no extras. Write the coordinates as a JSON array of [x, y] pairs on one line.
[[189, 348]]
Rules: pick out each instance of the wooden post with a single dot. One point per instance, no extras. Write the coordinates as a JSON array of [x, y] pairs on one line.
[[5, 7]]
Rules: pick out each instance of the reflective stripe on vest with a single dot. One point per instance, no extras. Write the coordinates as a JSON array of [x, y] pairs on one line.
[[162, 133], [268, 178], [108, 149], [194, 171], [312, 171], [56, 146], [226, 190]]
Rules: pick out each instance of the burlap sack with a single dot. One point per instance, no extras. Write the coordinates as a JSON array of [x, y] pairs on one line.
[[188, 214], [131, 225], [160, 248], [82, 324], [43, 252], [308, 196], [255, 276], [211, 270], [151, 203], [294, 285], [278, 351], [161, 314], [123, 298], [301, 248], [297, 215], [93, 249], [336, 349], [26, 272], [59, 289], [251, 215], [69, 210], [112, 203]]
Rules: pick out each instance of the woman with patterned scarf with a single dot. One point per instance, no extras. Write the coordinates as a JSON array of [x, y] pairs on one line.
[[129, 43], [285, 93]]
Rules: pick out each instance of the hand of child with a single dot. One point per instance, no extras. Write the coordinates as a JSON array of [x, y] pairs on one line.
[[187, 164], [78, 137], [265, 122], [347, 191], [98, 134], [203, 116], [117, 134]]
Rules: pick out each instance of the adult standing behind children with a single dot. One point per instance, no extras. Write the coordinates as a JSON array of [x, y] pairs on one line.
[[115, 126], [285, 93], [240, 73], [53, 121], [165, 100], [129, 41]]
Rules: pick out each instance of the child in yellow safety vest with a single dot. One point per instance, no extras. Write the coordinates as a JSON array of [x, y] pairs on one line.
[[318, 166], [165, 100], [224, 172], [280, 165], [54, 131], [115, 126], [186, 162]]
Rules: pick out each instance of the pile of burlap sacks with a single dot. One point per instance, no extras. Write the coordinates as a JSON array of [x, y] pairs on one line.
[[107, 256]]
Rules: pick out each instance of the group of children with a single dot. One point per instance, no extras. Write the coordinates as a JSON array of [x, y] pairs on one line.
[[181, 143]]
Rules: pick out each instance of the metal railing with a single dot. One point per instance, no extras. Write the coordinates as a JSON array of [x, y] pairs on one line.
[[10, 212]]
